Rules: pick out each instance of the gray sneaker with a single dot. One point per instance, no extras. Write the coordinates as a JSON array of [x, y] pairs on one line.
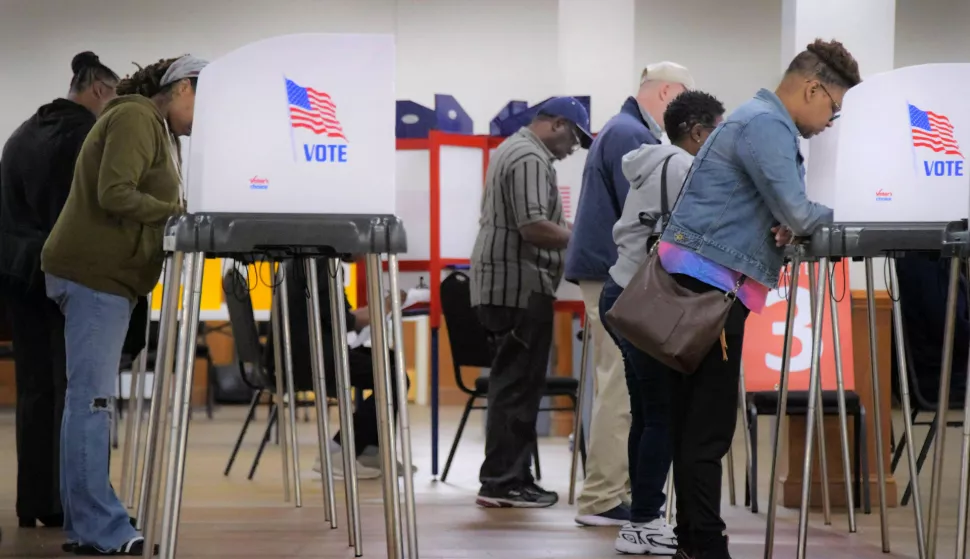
[[374, 461]]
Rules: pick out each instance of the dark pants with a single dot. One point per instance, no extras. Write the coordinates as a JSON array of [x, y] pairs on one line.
[[362, 378], [704, 409], [521, 340], [39, 356], [648, 446]]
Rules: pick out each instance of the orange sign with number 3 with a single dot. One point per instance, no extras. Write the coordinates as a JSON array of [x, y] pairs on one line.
[[764, 335]]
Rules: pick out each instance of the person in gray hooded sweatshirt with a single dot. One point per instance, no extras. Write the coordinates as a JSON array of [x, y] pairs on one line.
[[689, 120]]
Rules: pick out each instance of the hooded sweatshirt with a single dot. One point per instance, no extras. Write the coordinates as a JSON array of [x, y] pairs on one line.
[[36, 170], [642, 167], [126, 185]]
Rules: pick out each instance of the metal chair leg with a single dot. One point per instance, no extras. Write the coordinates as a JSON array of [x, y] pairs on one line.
[[458, 433], [242, 433]]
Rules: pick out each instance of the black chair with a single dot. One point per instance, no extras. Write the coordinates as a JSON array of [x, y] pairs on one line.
[[766, 403], [919, 404], [254, 360], [249, 356], [469, 348]]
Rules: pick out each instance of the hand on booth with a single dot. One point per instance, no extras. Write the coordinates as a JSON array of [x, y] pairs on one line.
[[783, 235]]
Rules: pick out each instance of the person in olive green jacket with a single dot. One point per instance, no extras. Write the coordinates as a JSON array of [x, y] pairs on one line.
[[105, 251]]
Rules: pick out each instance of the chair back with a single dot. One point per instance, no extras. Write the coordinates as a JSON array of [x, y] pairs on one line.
[[466, 335], [249, 350]]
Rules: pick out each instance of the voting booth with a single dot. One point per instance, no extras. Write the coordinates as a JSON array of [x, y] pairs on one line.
[[897, 154], [893, 170], [289, 161]]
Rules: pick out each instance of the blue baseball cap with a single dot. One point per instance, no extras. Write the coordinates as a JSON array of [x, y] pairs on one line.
[[573, 111]]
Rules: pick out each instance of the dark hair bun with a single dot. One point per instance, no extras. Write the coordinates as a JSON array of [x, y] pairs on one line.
[[84, 60]]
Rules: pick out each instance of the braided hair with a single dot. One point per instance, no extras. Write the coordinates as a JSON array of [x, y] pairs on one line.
[[147, 81]]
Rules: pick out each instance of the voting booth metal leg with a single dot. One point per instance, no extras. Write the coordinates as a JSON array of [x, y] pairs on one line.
[[344, 401], [782, 410], [876, 407], [964, 502], [943, 404], [158, 409], [277, 369], [181, 402], [385, 410], [129, 464], [903, 375], [578, 414], [290, 409], [318, 364], [732, 490], [840, 398], [400, 380], [817, 303], [811, 414]]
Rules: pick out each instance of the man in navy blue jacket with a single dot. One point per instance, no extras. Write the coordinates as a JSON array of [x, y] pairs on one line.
[[604, 500]]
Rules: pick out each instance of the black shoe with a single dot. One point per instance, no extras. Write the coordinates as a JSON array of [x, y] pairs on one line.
[[716, 548], [528, 496], [71, 547], [134, 547], [49, 521]]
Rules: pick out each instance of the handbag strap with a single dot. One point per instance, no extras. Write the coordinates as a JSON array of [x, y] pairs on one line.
[[665, 213], [664, 205]]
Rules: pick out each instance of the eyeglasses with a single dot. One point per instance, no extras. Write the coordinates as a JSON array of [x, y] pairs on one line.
[[575, 133], [836, 108]]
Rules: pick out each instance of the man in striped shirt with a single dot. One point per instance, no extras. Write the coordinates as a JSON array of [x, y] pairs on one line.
[[517, 264]]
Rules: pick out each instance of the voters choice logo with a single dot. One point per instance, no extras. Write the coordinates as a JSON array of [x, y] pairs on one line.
[[884, 196], [259, 183], [936, 150], [315, 111]]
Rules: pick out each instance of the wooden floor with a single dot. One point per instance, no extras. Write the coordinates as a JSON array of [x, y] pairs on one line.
[[233, 517]]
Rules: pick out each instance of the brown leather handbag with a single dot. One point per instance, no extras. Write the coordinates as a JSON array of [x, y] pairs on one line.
[[669, 322]]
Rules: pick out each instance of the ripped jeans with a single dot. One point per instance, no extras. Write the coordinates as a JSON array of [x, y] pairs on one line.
[[95, 324]]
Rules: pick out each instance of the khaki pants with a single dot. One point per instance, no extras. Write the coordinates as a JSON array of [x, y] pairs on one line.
[[607, 466]]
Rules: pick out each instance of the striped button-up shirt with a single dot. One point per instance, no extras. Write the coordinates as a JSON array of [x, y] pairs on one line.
[[520, 188]]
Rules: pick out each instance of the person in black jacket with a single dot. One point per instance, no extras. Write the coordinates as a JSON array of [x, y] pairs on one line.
[[36, 170]]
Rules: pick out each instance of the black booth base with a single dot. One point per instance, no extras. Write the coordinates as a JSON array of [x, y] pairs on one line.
[[285, 235], [868, 240]]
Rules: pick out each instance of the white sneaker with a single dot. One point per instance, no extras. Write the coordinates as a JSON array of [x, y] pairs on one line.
[[649, 538], [337, 459]]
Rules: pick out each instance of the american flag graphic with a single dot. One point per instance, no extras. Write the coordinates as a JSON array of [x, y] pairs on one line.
[[933, 131], [567, 207], [313, 110]]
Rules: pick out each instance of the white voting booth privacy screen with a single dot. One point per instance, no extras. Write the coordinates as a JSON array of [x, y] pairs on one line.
[[897, 154], [300, 124]]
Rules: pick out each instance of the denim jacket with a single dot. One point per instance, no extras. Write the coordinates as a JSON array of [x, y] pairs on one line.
[[748, 177]]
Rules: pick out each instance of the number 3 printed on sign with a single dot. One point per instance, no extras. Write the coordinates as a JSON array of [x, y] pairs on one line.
[[764, 337], [801, 359]]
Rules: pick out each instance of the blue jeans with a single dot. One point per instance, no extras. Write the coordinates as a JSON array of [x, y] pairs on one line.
[[94, 332], [649, 445]]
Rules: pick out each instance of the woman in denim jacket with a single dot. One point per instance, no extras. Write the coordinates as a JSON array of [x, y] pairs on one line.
[[741, 204]]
